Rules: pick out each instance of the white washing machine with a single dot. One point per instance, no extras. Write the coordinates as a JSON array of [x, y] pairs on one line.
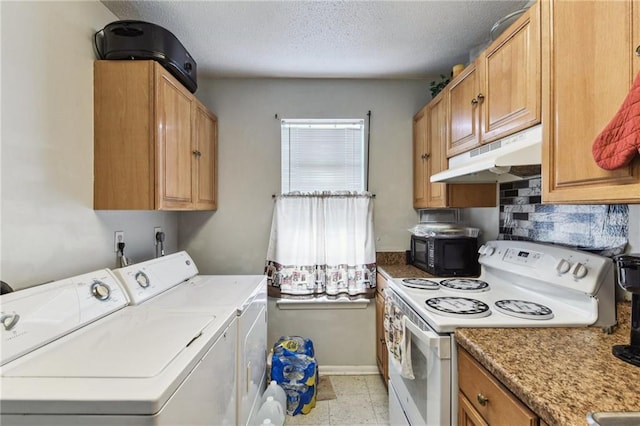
[[73, 353], [172, 283]]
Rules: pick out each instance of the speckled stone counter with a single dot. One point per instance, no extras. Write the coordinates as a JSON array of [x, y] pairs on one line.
[[391, 257], [560, 373], [402, 271]]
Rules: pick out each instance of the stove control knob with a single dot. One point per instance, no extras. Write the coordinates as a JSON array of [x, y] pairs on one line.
[[489, 250], [563, 266], [579, 270], [100, 290]]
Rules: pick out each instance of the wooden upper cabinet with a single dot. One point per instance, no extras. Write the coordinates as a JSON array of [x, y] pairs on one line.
[[435, 150], [154, 143], [589, 64], [498, 94], [509, 69], [174, 129], [464, 129], [206, 148], [420, 176], [429, 141], [429, 157]]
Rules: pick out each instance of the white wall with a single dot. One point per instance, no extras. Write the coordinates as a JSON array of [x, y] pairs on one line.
[[344, 339], [49, 228], [234, 239]]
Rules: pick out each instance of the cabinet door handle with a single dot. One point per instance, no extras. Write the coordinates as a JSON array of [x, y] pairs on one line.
[[474, 101], [480, 97], [638, 51], [425, 156], [482, 400], [197, 153]]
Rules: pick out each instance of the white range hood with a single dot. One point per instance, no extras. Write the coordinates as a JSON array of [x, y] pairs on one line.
[[512, 158]]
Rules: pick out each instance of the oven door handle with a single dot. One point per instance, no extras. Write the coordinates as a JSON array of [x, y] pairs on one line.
[[440, 343]]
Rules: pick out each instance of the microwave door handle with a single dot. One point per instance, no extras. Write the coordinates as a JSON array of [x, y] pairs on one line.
[[441, 344]]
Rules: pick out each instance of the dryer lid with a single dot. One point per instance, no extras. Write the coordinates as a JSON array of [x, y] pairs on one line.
[[211, 292], [135, 344]]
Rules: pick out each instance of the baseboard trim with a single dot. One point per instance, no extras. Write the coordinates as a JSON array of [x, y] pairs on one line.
[[348, 370]]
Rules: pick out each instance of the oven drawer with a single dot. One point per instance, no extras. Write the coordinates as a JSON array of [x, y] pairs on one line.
[[495, 403]]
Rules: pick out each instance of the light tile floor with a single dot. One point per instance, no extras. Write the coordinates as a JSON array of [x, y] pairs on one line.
[[361, 400]]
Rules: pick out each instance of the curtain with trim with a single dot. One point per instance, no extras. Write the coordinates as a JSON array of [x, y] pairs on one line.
[[322, 243]]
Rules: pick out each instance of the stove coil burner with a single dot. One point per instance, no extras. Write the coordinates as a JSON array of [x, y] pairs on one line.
[[420, 283], [524, 309], [461, 307], [465, 284]]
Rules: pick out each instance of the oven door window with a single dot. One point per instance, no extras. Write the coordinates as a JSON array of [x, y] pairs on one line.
[[426, 399]]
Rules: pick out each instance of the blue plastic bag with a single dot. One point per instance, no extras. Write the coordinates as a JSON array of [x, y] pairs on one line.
[[294, 344], [296, 371]]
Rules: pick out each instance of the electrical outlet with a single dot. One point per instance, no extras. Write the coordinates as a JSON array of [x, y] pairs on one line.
[[118, 238], [155, 232]]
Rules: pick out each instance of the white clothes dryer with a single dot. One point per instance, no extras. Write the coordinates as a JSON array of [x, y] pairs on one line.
[[172, 283], [73, 353]]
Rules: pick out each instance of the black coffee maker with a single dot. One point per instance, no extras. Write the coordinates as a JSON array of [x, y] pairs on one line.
[[628, 273]]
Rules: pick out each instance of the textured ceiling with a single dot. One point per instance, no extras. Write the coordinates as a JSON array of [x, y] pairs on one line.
[[324, 39]]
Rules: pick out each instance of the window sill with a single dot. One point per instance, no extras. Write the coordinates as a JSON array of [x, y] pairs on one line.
[[321, 303]]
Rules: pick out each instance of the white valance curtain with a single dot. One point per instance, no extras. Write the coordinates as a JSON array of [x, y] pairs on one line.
[[322, 243]]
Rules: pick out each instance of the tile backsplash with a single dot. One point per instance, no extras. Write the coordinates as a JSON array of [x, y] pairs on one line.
[[523, 217]]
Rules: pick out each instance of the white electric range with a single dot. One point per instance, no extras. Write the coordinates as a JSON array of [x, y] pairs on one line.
[[522, 284], [74, 353], [172, 284]]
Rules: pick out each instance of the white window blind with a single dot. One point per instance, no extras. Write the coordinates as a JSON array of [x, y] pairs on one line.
[[322, 155]]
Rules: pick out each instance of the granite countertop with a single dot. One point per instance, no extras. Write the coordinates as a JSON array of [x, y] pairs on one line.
[[560, 373], [402, 271]]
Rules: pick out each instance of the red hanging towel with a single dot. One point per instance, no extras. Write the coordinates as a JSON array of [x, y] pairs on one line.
[[619, 141]]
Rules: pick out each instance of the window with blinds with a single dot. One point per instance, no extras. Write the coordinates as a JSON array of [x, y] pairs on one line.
[[323, 155]]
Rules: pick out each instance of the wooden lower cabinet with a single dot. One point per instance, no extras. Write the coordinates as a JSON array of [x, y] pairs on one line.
[[382, 356], [467, 415], [483, 400]]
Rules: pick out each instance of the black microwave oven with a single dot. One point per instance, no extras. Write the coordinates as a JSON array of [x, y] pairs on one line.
[[446, 256]]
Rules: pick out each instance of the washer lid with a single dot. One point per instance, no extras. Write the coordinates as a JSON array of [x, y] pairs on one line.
[[138, 344]]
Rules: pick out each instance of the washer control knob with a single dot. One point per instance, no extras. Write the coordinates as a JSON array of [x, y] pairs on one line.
[[142, 279], [482, 249], [489, 250], [100, 290], [9, 321], [579, 270], [563, 266]]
